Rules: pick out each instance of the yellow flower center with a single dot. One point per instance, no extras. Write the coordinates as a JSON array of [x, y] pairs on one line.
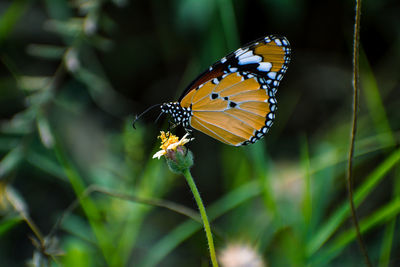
[[167, 139]]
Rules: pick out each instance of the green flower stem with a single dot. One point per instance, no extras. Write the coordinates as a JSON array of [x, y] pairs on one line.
[[203, 214]]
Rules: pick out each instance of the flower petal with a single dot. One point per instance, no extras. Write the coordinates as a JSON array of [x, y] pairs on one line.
[[159, 154], [173, 146]]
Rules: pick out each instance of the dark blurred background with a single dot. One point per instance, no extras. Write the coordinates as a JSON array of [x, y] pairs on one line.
[[74, 73]]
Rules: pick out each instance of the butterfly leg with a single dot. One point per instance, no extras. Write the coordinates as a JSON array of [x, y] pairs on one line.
[[189, 132], [171, 125]]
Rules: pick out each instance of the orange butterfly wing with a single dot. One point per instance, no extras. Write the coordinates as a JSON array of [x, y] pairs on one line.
[[237, 104], [234, 100], [232, 111]]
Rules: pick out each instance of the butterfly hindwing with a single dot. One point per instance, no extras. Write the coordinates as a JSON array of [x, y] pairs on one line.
[[236, 110]]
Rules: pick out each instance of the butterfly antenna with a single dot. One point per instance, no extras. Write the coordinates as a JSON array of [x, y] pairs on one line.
[[158, 117], [144, 112]]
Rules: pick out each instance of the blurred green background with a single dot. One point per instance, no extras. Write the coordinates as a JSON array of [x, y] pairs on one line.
[[74, 73]]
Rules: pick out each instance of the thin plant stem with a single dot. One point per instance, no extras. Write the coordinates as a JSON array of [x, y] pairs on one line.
[[154, 202], [203, 214], [356, 53]]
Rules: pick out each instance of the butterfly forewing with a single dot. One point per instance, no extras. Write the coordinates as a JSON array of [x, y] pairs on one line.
[[265, 57]]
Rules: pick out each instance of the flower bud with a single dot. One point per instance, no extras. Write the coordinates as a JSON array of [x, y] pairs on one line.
[[179, 160]]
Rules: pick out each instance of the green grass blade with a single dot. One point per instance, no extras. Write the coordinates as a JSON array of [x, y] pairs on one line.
[[374, 101], [382, 215], [387, 242], [8, 223], [307, 199], [151, 181], [11, 16], [229, 23], [189, 227], [46, 51], [87, 204], [8, 143], [46, 164], [262, 165], [338, 217]]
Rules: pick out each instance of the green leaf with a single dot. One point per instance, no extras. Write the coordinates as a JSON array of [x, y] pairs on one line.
[[21, 123], [8, 143], [78, 253], [71, 28], [9, 222], [45, 133], [58, 9], [33, 83], [46, 51], [11, 16], [45, 163], [10, 161]]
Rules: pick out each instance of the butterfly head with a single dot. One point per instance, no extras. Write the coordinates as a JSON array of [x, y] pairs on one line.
[[179, 114]]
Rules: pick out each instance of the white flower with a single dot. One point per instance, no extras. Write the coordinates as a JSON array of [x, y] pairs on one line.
[[170, 142], [240, 255]]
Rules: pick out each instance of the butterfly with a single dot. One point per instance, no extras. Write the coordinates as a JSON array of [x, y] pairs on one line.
[[234, 100]]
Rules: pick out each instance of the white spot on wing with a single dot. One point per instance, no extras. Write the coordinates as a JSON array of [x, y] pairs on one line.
[[249, 60], [240, 51], [271, 74], [233, 69], [223, 60], [278, 42], [264, 66], [247, 54]]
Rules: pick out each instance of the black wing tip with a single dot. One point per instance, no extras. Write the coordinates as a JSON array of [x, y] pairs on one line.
[[279, 36]]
